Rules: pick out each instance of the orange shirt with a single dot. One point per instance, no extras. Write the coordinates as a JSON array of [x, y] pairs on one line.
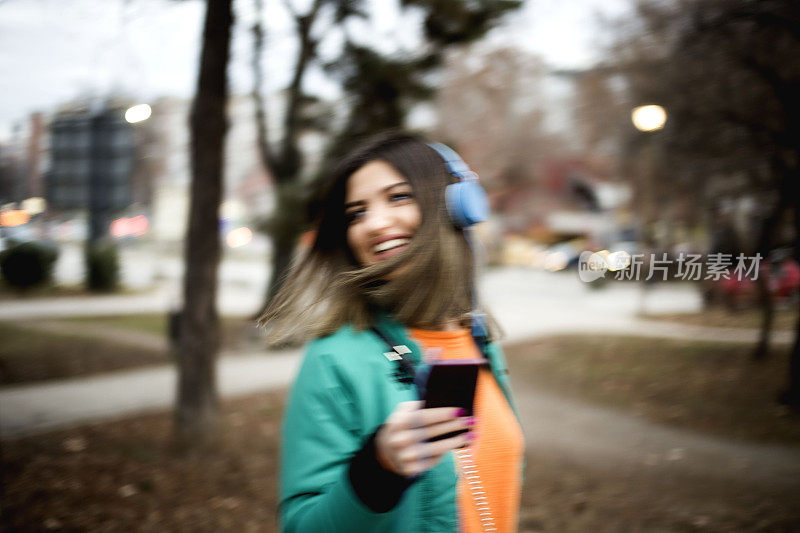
[[497, 451]]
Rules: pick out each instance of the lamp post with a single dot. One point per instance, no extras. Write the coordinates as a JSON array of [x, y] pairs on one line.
[[647, 119]]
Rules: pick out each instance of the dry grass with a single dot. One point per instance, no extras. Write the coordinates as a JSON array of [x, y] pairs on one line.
[[233, 328], [710, 387], [53, 290], [561, 496], [128, 475], [28, 355], [721, 317]]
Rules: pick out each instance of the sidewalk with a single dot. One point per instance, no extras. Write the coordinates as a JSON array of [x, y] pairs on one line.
[[30, 409], [607, 439]]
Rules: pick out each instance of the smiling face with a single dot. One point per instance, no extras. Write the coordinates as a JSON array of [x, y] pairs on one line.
[[382, 214]]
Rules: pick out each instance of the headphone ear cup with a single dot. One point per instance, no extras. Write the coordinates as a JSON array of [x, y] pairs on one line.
[[467, 203]]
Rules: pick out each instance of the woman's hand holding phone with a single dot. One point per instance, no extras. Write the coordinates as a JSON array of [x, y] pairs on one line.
[[402, 443]]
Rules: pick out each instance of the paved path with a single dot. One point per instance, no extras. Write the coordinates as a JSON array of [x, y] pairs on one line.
[[608, 439], [30, 409]]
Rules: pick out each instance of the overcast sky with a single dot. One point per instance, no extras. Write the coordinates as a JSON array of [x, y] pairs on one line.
[[52, 51]]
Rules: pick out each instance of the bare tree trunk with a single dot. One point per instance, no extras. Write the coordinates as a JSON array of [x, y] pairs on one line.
[[762, 282], [792, 395], [768, 312], [196, 415], [765, 243]]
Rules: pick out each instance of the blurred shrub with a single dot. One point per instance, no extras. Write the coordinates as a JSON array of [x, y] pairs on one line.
[[102, 272], [28, 264]]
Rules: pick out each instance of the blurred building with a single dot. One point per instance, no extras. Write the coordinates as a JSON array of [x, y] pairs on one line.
[[139, 169], [168, 149], [91, 142], [10, 171], [24, 159], [247, 193]]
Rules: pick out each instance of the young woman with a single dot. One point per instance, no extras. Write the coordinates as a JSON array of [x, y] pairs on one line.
[[387, 284]]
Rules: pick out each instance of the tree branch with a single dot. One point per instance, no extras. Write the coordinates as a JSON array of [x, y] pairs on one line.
[[721, 24], [268, 159], [290, 8], [766, 16], [289, 156]]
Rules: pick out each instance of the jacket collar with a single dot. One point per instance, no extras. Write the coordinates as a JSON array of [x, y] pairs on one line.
[[397, 333]]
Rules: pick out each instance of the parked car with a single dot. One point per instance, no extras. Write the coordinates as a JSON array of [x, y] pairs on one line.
[[783, 277]]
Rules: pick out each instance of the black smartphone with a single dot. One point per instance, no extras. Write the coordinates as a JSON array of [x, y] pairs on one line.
[[450, 383]]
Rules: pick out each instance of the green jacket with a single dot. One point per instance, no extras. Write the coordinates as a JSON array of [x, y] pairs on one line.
[[344, 391]]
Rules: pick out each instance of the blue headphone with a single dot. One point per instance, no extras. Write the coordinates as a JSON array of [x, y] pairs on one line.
[[467, 205], [466, 200]]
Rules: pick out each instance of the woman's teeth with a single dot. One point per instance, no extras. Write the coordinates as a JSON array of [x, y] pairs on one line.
[[388, 245]]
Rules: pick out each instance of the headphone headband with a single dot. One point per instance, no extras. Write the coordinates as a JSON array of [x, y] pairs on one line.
[[455, 165], [467, 204]]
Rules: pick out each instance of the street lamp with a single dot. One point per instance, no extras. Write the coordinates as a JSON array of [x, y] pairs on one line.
[[138, 113], [649, 117]]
